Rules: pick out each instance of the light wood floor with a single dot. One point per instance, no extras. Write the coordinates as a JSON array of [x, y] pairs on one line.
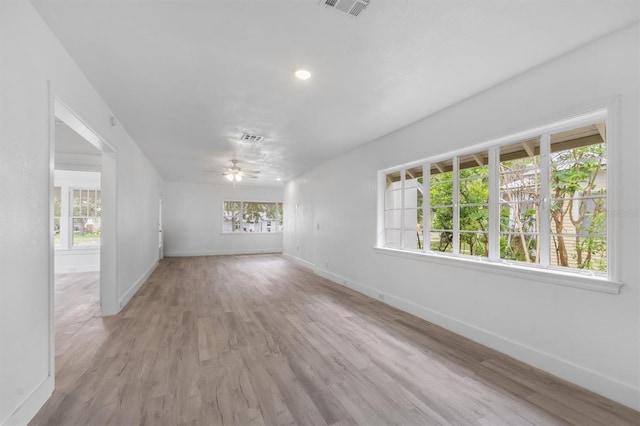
[[260, 340]]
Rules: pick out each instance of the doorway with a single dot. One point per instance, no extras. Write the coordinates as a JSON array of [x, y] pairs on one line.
[[83, 171]]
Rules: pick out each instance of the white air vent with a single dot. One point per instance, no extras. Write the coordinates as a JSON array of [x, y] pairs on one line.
[[351, 7], [251, 138]]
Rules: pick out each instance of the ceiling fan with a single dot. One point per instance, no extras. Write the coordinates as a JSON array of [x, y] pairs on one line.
[[236, 174]]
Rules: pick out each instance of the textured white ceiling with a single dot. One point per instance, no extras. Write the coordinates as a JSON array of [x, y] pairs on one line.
[[186, 78]]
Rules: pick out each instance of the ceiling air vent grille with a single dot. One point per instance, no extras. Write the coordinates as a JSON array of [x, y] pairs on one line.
[[251, 138], [351, 7]]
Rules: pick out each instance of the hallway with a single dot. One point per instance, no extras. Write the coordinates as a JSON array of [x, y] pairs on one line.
[[260, 340]]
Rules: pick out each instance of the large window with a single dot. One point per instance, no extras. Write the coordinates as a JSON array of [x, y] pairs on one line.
[[252, 216], [535, 200], [77, 217]]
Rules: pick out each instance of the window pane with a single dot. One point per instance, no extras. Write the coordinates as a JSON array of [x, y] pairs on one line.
[[441, 241], [231, 218], [86, 231], [258, 217], [413, 240], [57, 199], [392, 219], [392, 238], [91, 201], [56, 232], [474, 218], [520, 201], [578, 184], [519, 246], [474, 243], [393, 198], [413, 227], [582, 252], [76, 203], [280, 217], [442, 219], [414, 191]]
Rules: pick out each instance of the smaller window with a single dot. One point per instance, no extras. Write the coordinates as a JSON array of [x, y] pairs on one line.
[[85, 219], [57, 213], [252, 216]]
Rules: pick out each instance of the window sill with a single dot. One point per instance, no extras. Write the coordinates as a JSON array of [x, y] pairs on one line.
[[77, 250], [585, 282], [250, 233]]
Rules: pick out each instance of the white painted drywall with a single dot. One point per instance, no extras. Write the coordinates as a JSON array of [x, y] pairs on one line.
[[587, 337], [193, 220], [30, 58]]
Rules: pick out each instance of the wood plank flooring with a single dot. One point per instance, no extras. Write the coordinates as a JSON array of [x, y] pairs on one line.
[[260, 340]]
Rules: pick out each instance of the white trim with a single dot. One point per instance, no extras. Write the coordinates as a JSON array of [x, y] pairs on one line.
[[516, 270], [122, 302], [249, 233], [52, 177], [614, 156], [299, 260], [544, 211], [71, 119], [32, 404], [624, 393], [178, 253]]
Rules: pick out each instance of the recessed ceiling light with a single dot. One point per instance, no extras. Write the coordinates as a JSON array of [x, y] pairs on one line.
[[278, 179], [303, 74]]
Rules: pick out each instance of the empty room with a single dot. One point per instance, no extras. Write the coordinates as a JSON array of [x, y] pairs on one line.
[[320, 212]]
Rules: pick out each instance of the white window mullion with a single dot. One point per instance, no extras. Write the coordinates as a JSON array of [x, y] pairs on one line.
[[544, 226], [494, 203], [241, 216], [402, 189], [426, 207], [65, 216], [456, 206]]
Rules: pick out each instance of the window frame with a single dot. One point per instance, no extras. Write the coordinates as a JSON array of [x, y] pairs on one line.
[[66, 241], [278, 222], [587, 279], [72, 216]]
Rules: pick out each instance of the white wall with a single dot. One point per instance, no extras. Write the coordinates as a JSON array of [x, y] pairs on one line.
[[193, 220], [30, 57], [588, 337]]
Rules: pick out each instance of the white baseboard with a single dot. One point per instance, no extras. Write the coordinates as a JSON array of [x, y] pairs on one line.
[[300, 261], [30, 407], [122, 302], [608, 387], [171, 253]]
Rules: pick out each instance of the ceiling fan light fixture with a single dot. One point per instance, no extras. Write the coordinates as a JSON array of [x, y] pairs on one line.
[[238, 177], [229, 177], [303, 74]]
